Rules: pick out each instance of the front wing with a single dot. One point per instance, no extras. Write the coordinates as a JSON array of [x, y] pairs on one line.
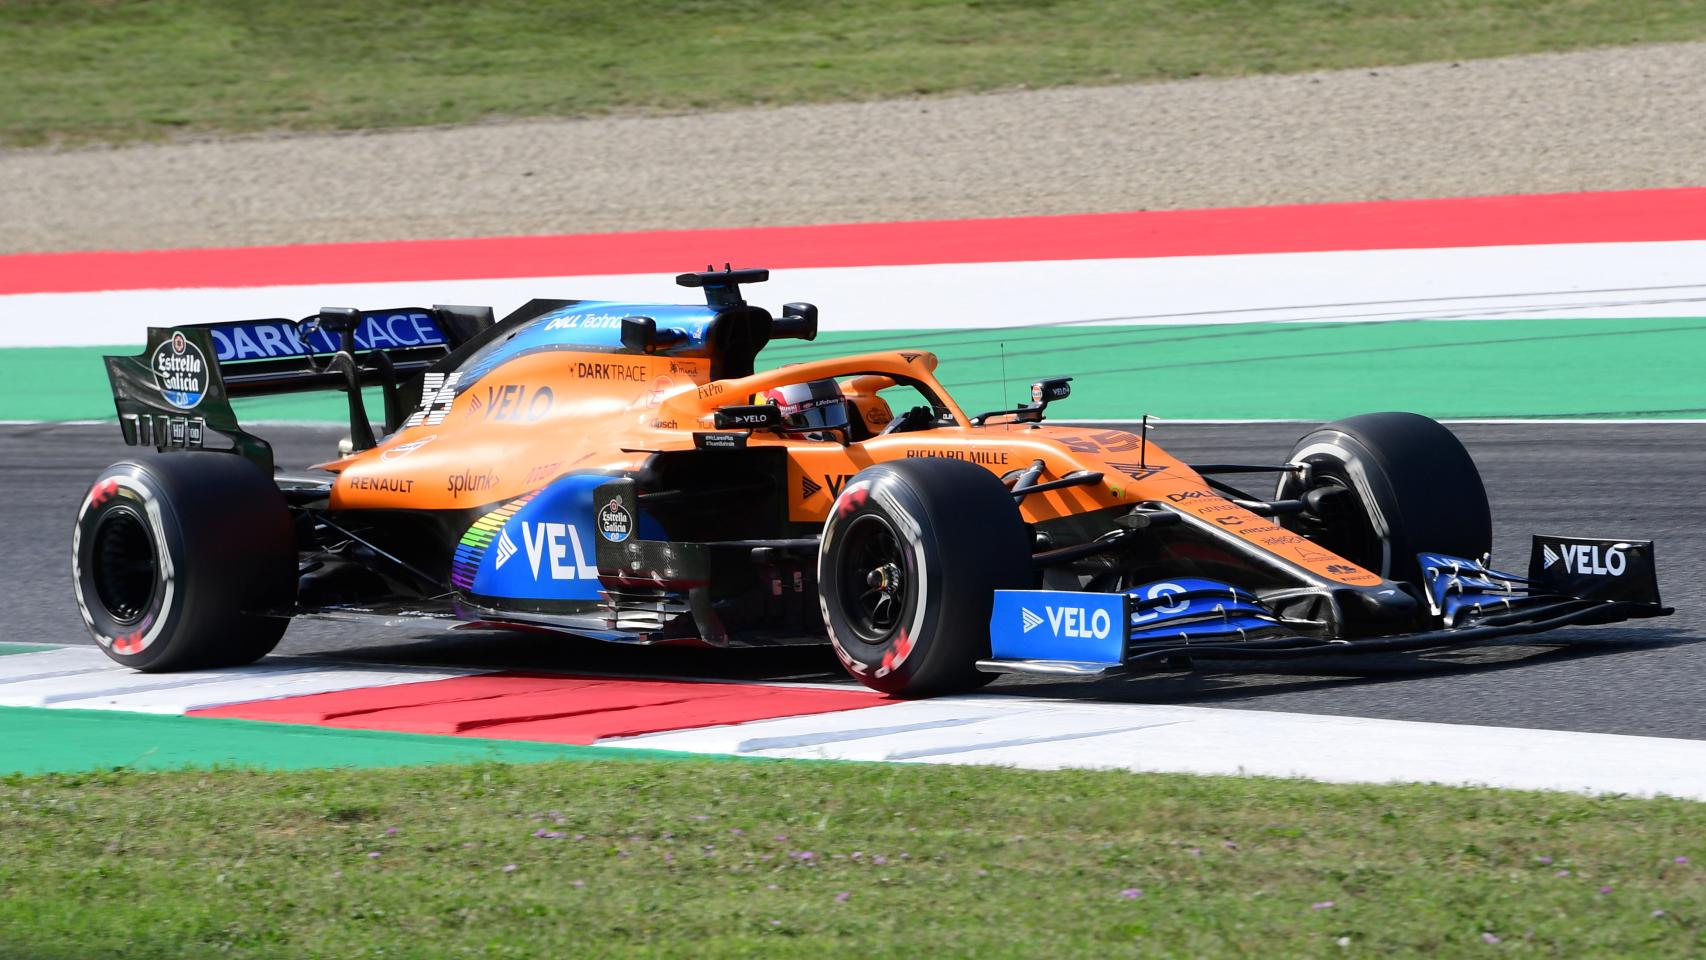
[[1570, 582]]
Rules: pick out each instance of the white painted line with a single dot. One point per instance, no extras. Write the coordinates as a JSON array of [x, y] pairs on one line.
[[83, 678], [1657, 279], [247, 687], [54, 662], [1025, 732], [1048, 735]]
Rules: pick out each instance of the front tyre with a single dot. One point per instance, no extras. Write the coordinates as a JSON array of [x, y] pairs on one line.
[[172, 556], [1413, 487], [912, 554]]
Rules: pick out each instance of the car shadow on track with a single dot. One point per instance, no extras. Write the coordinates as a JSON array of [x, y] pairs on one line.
[[1249, 681], [517, 651]]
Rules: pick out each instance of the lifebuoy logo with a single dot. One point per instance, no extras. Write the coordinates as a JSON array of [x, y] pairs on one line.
[[181, 371], [1075, 623]]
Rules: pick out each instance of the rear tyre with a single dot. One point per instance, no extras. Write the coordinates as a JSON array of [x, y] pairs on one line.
[[912, 554], [1413, 488], [172, 556]]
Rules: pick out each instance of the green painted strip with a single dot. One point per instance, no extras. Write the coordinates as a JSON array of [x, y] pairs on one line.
[[70, 383], [1455, 368], [1444, 368], [6, 648], [67, 741]]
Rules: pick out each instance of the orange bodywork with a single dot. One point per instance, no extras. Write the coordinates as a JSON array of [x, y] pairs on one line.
[[545, 414]]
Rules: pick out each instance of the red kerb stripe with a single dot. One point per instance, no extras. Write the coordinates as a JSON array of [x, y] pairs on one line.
[[550, 707], [1634, 215]]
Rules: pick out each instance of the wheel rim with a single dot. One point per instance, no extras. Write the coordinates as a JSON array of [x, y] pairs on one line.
[[125, 565], [874, 582], [1344, 525]]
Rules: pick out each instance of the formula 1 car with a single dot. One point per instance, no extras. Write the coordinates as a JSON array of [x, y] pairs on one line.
[[622, 472]]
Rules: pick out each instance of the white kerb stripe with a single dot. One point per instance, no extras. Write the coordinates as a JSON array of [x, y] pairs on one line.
[[1047, 735]]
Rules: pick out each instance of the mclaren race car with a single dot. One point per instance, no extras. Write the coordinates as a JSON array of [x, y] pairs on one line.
[[623, 472]]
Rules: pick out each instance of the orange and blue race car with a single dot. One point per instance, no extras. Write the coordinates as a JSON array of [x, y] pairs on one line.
[[621, 471]]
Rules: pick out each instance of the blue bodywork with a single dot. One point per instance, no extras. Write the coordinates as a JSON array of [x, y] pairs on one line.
[[1097, 628], [539, 547], [1049, 631], [1058, 625], [595, 324], [278, 338], [1456, 585]]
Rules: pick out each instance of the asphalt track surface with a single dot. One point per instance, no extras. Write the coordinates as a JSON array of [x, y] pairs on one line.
[[1622, 479]]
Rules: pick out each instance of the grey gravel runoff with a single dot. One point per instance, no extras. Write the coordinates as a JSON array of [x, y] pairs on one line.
[[1616, 118]]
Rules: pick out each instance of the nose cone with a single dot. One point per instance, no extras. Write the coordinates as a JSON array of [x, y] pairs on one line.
[[1387, 603]]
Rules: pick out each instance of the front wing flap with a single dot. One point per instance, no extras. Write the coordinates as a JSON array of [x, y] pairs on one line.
[[1571, 582]]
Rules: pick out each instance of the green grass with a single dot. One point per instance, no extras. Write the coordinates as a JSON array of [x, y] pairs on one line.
[[78, 70], [710, 859]]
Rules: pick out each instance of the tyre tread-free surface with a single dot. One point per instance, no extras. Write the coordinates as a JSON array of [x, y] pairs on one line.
[[964, 540], [1416, 484], [222, 538]]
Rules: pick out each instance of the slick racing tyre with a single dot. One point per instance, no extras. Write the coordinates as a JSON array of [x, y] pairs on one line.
[[171, 556], [912, 554], [1412, 488]]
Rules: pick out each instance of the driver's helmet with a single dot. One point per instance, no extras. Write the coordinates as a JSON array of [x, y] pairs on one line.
[[815, 405]]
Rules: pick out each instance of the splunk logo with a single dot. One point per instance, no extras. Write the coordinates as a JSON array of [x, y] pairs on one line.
[[1072, 622], [468, 481], [1585, 558]]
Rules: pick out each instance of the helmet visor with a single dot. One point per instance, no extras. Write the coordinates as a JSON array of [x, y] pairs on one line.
[[817, 405]]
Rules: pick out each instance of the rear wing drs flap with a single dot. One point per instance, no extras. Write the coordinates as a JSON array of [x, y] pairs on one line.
[[178, 390]]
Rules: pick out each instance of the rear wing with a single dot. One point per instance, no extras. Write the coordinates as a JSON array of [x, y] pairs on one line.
[[176, 394]]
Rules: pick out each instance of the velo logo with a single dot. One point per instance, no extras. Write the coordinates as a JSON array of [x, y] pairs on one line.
[[1074, 622], [1584, 558]]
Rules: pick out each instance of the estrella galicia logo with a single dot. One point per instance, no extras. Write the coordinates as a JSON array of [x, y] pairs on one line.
[[181, 371], [615, 523]]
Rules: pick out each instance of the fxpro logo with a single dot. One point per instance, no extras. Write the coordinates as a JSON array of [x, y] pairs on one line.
[[1585, 558], [1073, 622]]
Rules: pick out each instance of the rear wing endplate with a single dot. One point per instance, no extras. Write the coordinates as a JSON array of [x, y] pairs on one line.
[[176, 394]]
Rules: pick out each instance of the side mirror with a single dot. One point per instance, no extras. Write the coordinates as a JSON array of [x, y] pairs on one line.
[[1045, 392], [763, 416], [798, 322], [641, 335]]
